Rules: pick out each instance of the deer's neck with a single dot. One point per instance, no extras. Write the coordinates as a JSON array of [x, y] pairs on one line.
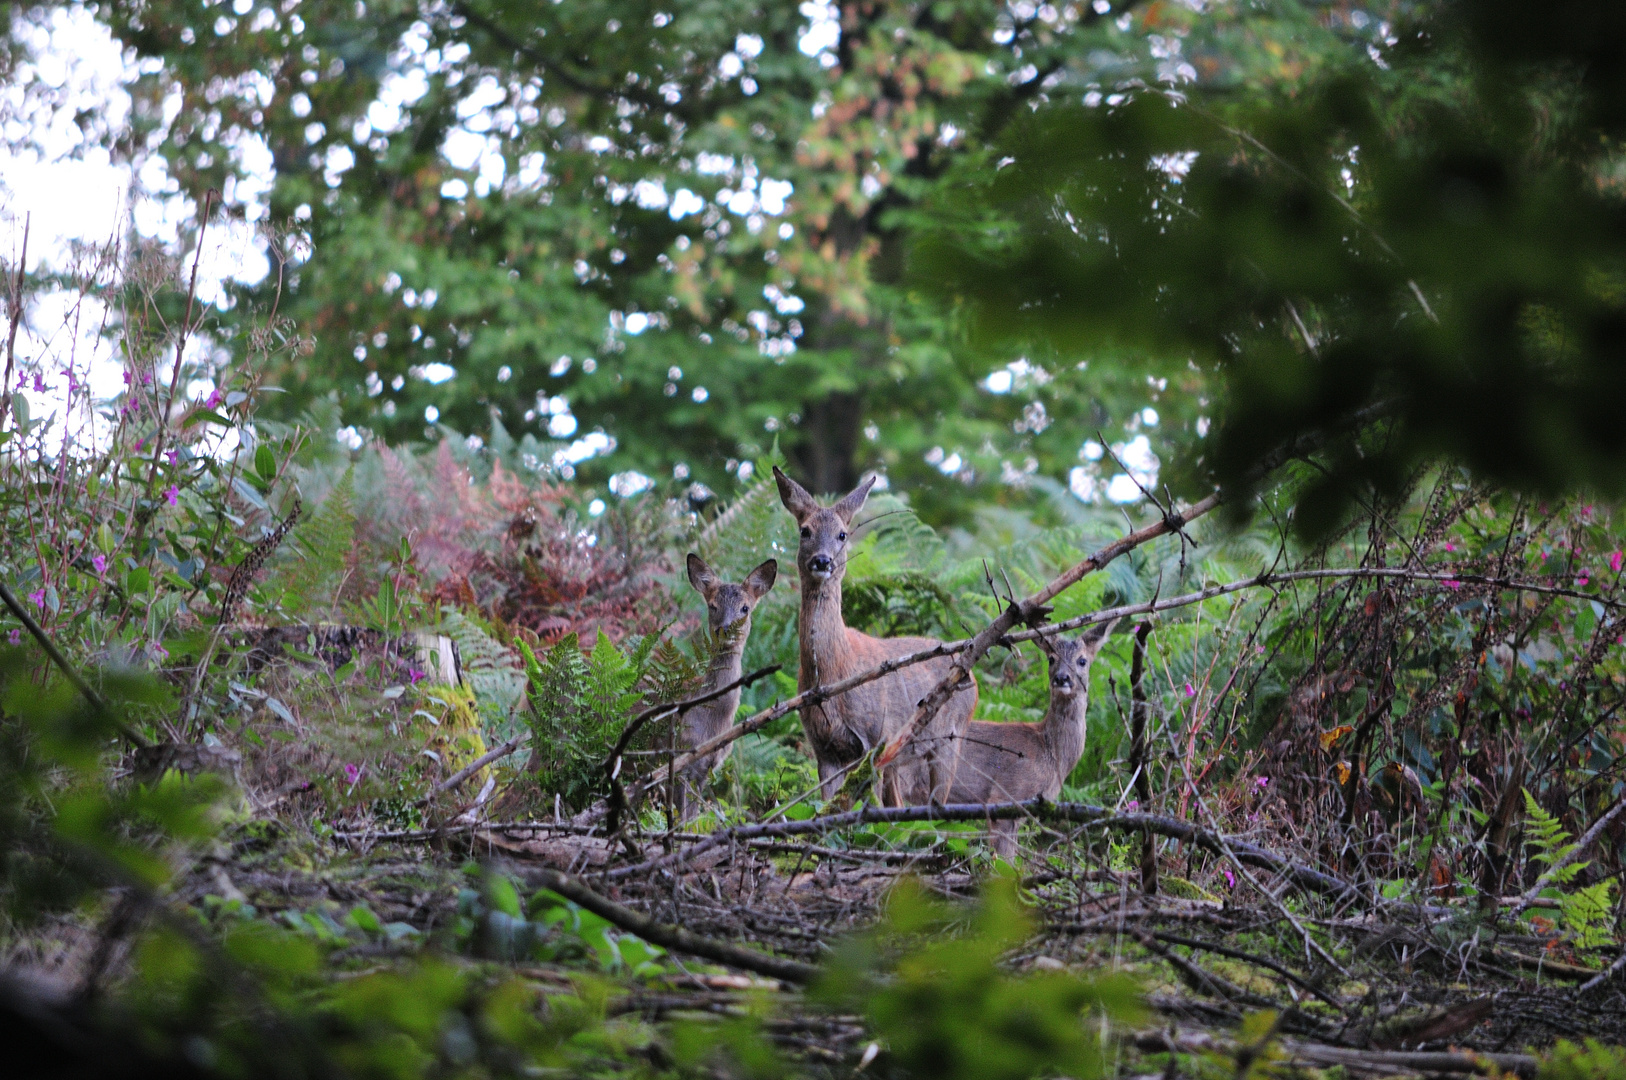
[[822, 633], [727, 664], [1065, 732]]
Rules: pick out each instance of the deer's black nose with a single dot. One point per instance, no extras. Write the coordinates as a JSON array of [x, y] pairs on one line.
[[820, 564], [1061, 680]]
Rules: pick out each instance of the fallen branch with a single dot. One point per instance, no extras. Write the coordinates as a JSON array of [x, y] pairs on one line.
[[1305, 877], [1323, 1056], [671, 937]]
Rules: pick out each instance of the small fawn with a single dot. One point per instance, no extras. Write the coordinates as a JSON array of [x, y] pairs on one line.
[[728, 618], [1016, 762], [844, 728]]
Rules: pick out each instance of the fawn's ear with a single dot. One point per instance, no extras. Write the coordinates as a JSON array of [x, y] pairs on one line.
[[1095, 637], [794, 496], [702, 577], [760, 580], [854, 501]]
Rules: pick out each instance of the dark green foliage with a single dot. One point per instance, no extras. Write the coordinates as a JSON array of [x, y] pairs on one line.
[[1437, 238]]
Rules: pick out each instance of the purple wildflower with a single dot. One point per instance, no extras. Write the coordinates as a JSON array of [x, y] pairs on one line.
[[1230, 879], [38, 597], [1132, 805], [1190, 690], [99, 561], [15, 637], [216, 396], [352, 773], [172, 456], [39, 383], [1615, 561], [172, 495], [1262, 781], [413, 675]]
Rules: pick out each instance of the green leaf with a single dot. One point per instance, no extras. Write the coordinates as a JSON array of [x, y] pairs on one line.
[[265, 463]]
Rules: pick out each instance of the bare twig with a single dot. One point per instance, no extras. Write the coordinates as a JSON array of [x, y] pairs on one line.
[[671, 937]]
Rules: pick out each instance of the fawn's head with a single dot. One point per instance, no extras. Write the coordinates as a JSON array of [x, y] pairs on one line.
[[823, 551], [1070, 660], [729, 607]]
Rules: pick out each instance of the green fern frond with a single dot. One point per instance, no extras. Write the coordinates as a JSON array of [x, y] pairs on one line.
[[1550, 840], [497, 679], [1586, 914], [309, 576]]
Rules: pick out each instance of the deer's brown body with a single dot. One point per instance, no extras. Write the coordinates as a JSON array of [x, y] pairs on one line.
[[728, 619], [1020, 761], [844, 728]]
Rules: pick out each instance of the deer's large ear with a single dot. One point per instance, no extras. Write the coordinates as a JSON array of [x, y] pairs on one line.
[[760, 580], [794, 496], [1095, 637], [854, 501], [702, 577]]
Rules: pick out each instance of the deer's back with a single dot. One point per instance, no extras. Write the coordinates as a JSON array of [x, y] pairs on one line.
[[879, 709], [1003, 763]]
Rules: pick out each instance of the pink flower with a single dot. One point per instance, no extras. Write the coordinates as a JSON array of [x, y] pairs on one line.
[[1449, 546], [39, 383], [1581, 581], [1453, 584], [172, 495], [1132, 805], [15, 637], [1615, 561], [413, 675], [126, 376], [1190, 692], [99, 561], [1262, 781], [352, 773], [172, 456], [38, 597], [214, 399], [1230, 879]]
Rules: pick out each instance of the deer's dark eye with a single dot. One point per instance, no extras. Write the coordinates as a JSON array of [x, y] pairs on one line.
[[807, 533], [1081, 661], [842, 537]]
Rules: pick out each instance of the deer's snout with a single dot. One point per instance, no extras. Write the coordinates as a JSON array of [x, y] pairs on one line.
[[821, 566], [1062, 680]]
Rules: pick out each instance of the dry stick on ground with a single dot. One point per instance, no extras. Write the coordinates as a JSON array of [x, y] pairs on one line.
[[1304, 877], [1380, 1061], [671, 937]]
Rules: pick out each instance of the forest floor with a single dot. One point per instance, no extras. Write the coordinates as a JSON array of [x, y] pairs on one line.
[[1373, 989]]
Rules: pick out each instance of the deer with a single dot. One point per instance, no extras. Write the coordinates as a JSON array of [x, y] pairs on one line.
[[728, 618], [844, 728], [1014, 762]]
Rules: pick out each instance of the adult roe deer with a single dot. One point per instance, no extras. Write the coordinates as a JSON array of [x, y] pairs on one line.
[[844, 728], [728, 618], [1020, 761]]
